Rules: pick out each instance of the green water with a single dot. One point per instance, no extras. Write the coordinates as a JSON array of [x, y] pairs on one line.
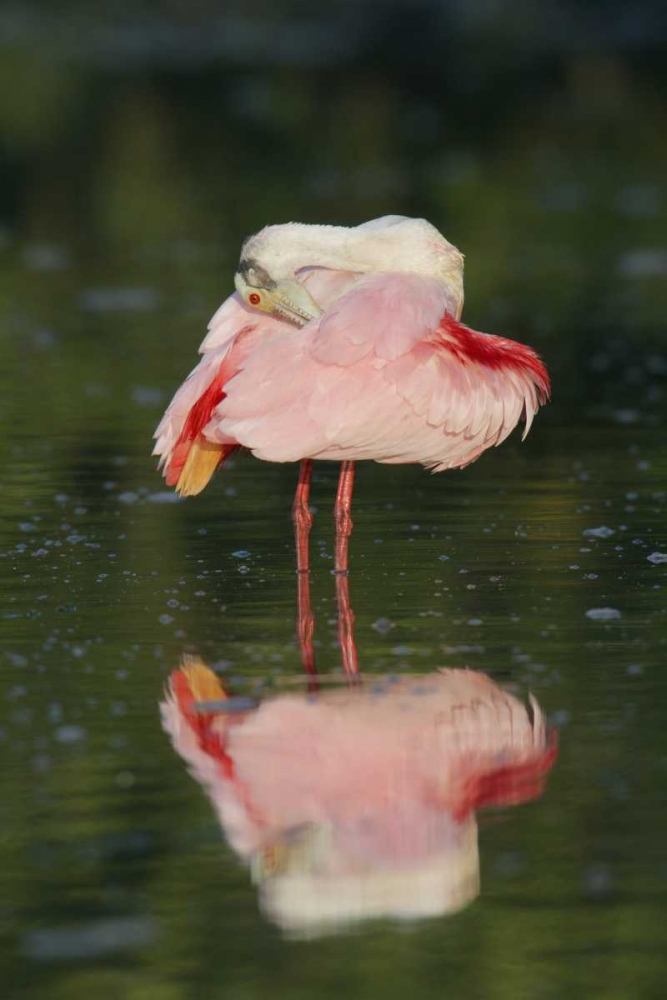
[[128, 186]]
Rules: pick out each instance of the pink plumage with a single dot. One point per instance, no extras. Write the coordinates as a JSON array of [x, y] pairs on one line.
[[385, 374], [378, 365]]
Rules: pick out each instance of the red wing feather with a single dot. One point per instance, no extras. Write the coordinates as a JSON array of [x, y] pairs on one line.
[[510, 784], [487, 350]]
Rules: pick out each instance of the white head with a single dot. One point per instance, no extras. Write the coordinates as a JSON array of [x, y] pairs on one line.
[[267, 275]]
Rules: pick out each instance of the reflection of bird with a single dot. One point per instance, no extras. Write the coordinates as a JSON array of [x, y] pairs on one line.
[[345, 344], [360, 802]]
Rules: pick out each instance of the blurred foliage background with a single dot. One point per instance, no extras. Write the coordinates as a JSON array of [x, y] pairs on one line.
[[140, 142]]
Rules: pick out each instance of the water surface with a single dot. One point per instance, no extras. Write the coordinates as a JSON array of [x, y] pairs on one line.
[[543, 564]]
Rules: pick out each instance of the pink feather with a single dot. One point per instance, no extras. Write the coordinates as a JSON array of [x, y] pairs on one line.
[[386, 373]]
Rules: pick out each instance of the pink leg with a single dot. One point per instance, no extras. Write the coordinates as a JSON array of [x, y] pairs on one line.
[[303, 519], [346, 628], [342, 516]]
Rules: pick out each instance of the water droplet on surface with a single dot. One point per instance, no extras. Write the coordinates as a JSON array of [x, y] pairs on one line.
[[598, 881], [383, 625], [164, 496], [88, 941], [69, 734], [145, 395], [603, 614]]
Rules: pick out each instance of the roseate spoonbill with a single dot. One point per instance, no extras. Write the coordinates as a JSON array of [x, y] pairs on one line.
[[360, 803], [346, 344]]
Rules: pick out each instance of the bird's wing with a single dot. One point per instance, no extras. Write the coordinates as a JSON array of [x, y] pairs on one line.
[[232, 324], [311, 390], [386, 373], [474, 386], [387, 315], [189, 444]]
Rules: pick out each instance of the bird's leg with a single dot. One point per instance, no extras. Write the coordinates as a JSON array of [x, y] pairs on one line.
[[343, 521], [342, 516], [303, 519], [346, 628], [305, 627]]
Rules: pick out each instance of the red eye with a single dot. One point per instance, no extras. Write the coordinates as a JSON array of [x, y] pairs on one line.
[[254, 299]]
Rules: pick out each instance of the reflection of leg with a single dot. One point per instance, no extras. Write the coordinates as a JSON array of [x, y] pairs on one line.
[[305, 627], [342, 516], [303, 519], [346, 627]]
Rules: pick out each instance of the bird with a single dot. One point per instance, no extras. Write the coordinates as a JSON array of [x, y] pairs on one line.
[[346, 344], [359, 802]]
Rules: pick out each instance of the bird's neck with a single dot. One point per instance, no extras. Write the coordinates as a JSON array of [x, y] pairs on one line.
[[411, 247]]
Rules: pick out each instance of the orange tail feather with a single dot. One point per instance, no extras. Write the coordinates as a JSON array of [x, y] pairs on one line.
[[203, 459], [203, 684]]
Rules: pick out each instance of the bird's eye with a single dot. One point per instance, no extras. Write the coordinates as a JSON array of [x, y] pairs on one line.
[[254, 298]]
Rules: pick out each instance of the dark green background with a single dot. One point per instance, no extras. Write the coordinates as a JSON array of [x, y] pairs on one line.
[[139, 144]]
